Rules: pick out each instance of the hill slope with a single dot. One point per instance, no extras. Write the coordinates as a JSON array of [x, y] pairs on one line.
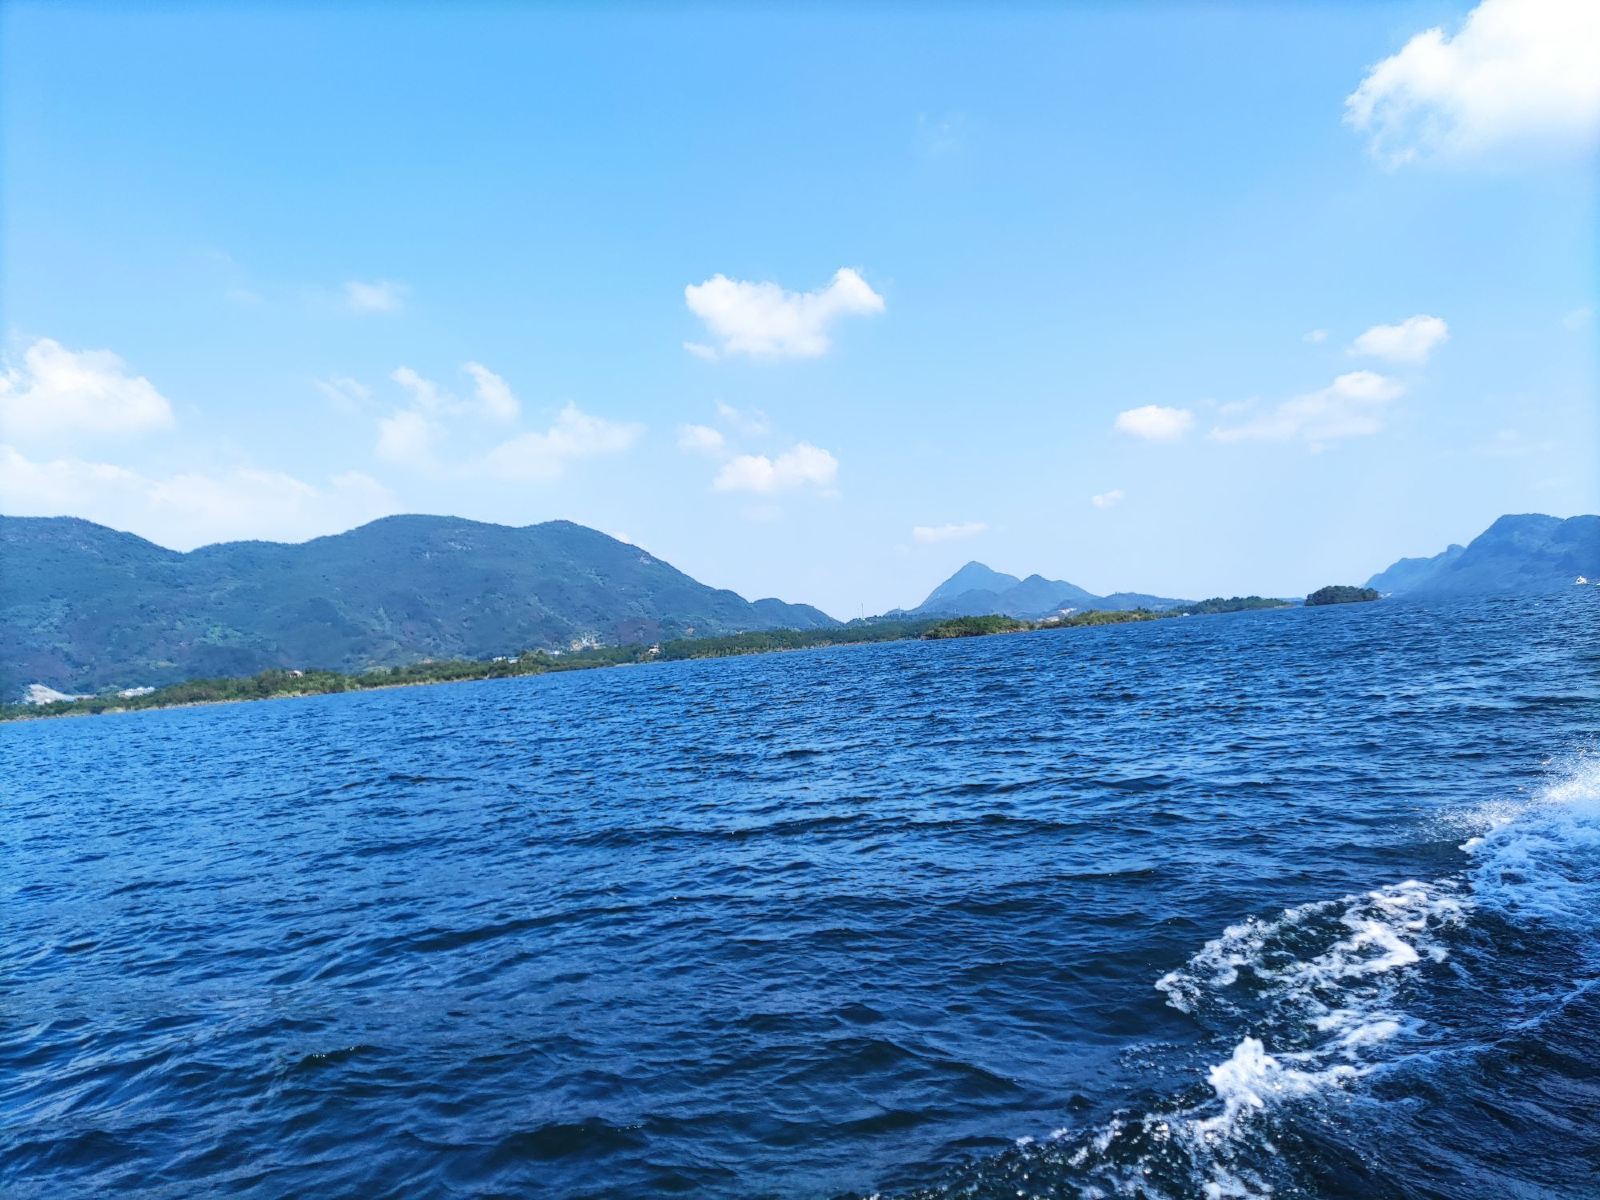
[[85, 607], [1521, 554], [1407, 573]]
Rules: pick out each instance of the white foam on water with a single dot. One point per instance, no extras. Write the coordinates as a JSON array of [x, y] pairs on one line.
[[1540, 860], [1325, 978]]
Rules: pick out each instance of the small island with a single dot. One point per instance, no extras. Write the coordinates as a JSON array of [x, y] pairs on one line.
[[1339, 593]]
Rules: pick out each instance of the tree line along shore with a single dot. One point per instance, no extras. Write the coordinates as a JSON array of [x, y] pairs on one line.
[[287, 682]]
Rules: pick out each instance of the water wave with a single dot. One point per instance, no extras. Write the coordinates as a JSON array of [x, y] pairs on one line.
[[603, 935], [1320, 991]]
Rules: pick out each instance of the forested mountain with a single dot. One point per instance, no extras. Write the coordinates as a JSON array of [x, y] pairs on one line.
[[84, 607], [1517, 555]]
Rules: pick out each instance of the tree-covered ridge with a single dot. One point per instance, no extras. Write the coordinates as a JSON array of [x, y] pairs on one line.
[[959, 627], [1221, 604], [1341, 594]]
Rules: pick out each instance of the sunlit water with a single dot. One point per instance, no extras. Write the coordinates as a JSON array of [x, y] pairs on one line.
[[1300, 903]]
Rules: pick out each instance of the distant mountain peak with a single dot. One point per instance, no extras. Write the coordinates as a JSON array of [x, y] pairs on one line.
[[978, 590], [974, 577]]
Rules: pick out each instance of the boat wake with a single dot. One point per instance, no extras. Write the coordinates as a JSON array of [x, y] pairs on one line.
[[1326, 997]]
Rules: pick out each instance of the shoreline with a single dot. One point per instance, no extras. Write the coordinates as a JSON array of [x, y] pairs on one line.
[[285, 684]]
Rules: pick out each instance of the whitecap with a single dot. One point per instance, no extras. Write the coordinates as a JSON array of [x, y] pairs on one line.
[[1319, 988]]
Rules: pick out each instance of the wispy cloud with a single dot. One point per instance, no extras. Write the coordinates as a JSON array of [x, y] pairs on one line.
[[375, 296], [803, 465], [574, 435], [1512, 443], [927, 535], [701, 439], [493, 394], [1107, 499], [416, 435], [349, 395], [408, 438], [491, 399], [1353, 405], [1155, 423], [1410, 341], [747, 422], [190, 508]]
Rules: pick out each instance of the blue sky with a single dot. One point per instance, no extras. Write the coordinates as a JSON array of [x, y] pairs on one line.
[[817, 303]]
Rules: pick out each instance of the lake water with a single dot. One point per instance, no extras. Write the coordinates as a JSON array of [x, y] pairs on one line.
[[1302, 903]]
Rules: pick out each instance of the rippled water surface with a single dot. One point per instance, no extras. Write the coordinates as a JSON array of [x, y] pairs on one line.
[[1301, 903]]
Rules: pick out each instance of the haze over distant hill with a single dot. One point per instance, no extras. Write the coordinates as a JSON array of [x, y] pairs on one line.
[[84, 607], [1518, 555], [977, 590]]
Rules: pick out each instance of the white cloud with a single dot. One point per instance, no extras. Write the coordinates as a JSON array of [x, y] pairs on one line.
[[801, 465], [1578, 318], [425, 393], [377, 296], [1352, 405], [492, 398], [1411, 341], [343, 392], [1107, 499], [408, 438], [413, 436], [192, 508], [57, 392], [1316, 335], [748, 422], [930, 534], [765, 321], [1155, 423], [495, 400], [701, 439], [1517, 73], [574, 435], [701, 350]]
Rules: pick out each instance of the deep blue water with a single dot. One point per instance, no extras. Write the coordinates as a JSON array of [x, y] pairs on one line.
[[1302, 903]]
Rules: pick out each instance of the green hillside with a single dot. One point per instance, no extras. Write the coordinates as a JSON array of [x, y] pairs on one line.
[[83, 607]]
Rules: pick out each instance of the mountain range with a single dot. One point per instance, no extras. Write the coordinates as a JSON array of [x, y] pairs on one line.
[[1517, 555], [84, 607], [1523, 554]]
